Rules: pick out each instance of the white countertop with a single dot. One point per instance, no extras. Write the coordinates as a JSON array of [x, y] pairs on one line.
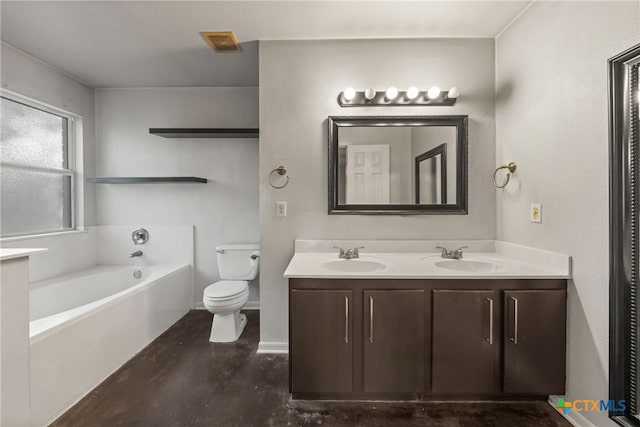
[[10, 253], [487, 259]]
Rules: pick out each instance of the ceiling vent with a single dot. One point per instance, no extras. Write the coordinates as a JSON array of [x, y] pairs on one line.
[[222, 41]]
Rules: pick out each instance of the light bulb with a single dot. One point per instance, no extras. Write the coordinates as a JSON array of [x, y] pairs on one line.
[[433, 92], [454, 92], [349, 93], [391, 93], [370, 93], [412, 92]]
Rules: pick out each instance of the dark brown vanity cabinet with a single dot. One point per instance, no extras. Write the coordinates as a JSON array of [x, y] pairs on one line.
[[466, 342], [473, 330], [394, 344], [534, 341], [321, 340], [426, 338]]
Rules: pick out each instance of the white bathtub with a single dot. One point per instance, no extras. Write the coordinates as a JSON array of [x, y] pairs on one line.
[[85, 325]]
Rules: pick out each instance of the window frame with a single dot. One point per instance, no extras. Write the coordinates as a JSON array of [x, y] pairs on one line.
[[73, 121]]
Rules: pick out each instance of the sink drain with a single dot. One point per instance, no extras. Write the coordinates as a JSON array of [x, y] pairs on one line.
[[137, 274]]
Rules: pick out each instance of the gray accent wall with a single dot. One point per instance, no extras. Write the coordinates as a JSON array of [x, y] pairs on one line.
[[299, 85], [551, 118]]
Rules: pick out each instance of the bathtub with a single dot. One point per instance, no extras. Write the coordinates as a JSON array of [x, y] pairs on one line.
[[85, 325]]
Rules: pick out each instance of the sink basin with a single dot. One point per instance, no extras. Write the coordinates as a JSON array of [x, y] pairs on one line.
[[353, 265], [470, 266]]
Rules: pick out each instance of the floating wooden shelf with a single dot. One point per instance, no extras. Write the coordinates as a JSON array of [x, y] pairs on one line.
[[147, 180], [205, 132]]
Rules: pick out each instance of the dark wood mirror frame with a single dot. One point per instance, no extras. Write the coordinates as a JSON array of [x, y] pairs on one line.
[[461, 125], [624, 212]]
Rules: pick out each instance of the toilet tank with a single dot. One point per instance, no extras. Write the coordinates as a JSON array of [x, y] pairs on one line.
[[235, 261]]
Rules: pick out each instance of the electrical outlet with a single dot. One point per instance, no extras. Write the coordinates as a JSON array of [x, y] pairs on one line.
[[281, 208], [536, 213]]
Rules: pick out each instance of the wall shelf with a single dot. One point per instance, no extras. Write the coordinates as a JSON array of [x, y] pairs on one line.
[[147, 180], [205, 132]]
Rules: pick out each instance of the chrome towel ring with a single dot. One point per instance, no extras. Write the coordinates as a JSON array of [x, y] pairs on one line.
[[281, 170], [511, 167]]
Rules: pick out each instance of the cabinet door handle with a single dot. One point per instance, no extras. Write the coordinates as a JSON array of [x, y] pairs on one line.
[[346, 319], [490, 339], [515, 321], [371, 319]]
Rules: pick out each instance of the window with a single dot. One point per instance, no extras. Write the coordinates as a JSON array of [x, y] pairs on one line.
[[37, 175]]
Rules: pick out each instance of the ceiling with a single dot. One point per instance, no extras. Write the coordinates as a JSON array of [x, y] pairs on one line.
[[157, 43]]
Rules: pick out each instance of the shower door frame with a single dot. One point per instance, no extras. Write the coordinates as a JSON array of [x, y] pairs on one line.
[[624, 212]]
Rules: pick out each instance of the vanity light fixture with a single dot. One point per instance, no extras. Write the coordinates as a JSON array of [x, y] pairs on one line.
[[392, 97], [349, 94], [453, 93], [412, 92], [433, 92], [391, 93]]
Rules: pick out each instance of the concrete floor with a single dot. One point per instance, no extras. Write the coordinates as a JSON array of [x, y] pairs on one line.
[[181, 379]]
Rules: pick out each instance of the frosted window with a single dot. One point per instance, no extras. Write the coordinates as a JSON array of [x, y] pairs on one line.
[[34, 202], [32, 137], [36, 180]]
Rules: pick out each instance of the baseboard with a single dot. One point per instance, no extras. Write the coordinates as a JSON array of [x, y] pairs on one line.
[[251, 305], [273, 347], [574, 417]]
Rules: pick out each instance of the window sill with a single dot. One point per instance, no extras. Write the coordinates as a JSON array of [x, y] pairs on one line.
[[42, 235]]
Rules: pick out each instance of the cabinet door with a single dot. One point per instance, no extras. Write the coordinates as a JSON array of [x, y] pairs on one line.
[[394, 340], [534, 342], [321, 341], [466, 342]]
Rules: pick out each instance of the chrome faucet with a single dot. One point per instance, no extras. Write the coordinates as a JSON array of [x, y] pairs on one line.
[[349, 253], [135, 254], [453, 254]]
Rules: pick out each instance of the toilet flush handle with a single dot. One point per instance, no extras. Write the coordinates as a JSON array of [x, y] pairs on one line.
[[254, 256]]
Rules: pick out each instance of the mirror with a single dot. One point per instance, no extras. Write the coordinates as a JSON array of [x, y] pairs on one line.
[[398, 165]]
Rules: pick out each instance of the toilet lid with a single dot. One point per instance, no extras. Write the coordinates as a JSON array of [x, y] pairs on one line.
[[225, 289]]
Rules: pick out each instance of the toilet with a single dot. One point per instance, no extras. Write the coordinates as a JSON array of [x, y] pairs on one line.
[[237, 264]]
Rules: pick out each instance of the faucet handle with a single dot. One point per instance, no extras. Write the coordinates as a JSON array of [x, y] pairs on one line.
[[445, 251], [355, 251], [341, 254], [458, 252]]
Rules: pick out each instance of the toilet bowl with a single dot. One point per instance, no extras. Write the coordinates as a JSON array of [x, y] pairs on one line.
[[237, 265]]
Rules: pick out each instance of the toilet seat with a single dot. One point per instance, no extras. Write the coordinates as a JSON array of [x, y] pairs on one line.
[[225, 290]]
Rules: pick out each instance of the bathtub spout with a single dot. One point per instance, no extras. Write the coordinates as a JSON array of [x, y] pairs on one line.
[[135, 254]]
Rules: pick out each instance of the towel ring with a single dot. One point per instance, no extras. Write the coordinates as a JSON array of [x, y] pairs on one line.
[[511, 167], [281, 170]]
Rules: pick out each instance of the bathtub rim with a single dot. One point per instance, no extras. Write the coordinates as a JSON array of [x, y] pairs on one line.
[[97, 306]]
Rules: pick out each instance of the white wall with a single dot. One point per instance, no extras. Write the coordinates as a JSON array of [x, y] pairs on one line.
[[30, 77], [551, 118], [299, 85], [224, 210]]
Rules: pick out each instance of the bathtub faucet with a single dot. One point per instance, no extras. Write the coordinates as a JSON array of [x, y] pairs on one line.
[[135, 254]]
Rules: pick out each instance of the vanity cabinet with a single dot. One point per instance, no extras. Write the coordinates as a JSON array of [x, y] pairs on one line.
[[321, 340], [394, 344], [466, 342], [534, 341], [426, 338]]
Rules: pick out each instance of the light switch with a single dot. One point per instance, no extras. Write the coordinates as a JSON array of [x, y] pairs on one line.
[[281, 208]]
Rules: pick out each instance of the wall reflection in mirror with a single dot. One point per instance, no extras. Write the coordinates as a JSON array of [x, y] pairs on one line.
[[415, 164]]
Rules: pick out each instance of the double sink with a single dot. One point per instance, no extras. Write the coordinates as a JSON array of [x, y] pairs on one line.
[[368, 264]]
